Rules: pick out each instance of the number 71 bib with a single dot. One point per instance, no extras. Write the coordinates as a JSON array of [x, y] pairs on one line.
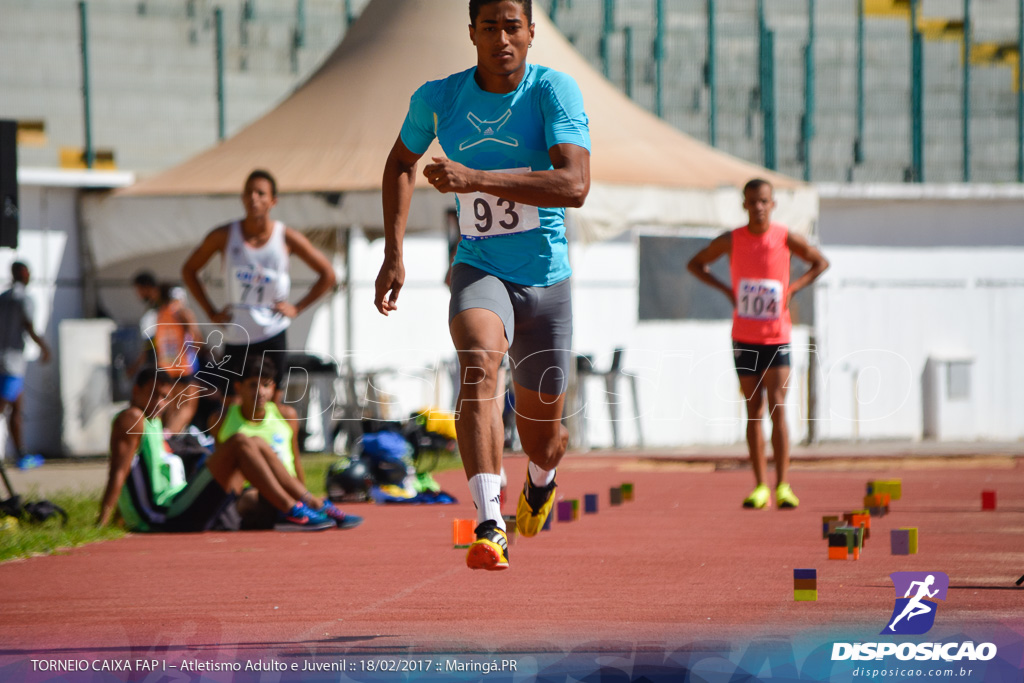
[[484, 215], [759, 299]]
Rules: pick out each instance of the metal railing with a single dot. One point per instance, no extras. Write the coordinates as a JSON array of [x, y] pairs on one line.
[[808, 67], [823, 91]]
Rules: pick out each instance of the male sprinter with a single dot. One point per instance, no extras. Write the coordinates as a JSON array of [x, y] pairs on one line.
[[147, 482], [761, 290], [518, 151], [259, 417]]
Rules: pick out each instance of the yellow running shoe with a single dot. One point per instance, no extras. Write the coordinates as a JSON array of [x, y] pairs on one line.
[[784, 497], [535, 503], [490, 550], [758, 499]]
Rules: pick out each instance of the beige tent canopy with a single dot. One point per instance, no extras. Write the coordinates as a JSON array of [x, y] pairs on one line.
[[327, 144]]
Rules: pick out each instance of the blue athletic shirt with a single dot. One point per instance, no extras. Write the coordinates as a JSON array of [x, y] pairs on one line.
[[501, 132]]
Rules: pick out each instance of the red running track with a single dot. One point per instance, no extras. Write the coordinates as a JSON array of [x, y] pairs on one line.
[[681, 563]]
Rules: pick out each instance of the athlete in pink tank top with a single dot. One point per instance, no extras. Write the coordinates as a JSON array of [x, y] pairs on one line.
[[759, 266], [759, 255]]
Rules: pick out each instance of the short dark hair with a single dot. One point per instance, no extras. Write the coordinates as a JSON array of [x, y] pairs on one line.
[[18, 267], [475, 5], [149, 374], [144, 278], [259, 368], [259, 173], [756, 184]]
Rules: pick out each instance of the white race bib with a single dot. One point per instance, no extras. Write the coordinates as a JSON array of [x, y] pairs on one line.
[[484, 215], [250, 286], [759, 299]]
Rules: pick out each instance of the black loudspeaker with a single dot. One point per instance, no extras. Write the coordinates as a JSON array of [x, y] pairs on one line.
[[9, 184]]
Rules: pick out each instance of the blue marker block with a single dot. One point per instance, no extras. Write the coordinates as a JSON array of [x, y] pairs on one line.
[[590, 503], [805, 573]]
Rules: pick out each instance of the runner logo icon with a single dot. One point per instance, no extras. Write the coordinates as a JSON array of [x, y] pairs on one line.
[[916, 595]]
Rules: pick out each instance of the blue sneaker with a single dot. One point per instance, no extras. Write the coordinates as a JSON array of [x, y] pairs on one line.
[[302, 518], [342, 519]]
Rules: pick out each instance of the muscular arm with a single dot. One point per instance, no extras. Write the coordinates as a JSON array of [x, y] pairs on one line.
[[300, 245], [565, 185], [700, 265], [800, 247], [125, 436], [396, 196], [215, 241]]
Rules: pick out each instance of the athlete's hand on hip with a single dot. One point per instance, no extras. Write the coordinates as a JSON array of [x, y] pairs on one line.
[[390, 279], [221, 316], [286, 309], [449, 176]]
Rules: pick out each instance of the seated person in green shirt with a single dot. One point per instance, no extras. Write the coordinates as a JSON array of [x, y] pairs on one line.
[[259, 417], [147, 484]]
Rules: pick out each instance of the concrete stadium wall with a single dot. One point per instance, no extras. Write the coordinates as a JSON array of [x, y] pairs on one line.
[[919, 274]]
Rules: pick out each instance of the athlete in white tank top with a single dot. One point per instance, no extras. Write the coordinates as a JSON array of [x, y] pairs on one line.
[[255, 253], [255, 278]]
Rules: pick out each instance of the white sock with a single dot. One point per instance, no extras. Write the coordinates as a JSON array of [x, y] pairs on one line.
[[540, 477], [486, 492]]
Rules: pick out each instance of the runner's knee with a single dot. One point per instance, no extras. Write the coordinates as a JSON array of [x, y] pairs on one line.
[[755, 407], [479, 367]]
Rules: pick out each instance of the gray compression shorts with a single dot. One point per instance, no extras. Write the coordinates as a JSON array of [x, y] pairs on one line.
[[538, 324]]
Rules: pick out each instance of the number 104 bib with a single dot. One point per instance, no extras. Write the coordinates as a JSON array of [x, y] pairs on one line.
[[483, 215], [759, 299]]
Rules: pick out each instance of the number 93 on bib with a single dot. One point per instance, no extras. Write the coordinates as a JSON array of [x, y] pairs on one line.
[[484, 215], [759, 299]]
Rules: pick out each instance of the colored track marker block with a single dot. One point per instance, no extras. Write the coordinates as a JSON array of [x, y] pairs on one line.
[[462, 532], [565, 511], [590, 503], [805, 574], [805, 584], [847, 537], [988, 500], [894, 487], [826, 528], [837, 552], [627, 492], [899, 541], [575, 508], [859, 518], [877, 504], [912, 536], [838, 539], [805, 595], [615, 495]]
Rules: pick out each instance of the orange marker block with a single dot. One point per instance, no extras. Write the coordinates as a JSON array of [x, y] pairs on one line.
[[462, 532], [837, 553]]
